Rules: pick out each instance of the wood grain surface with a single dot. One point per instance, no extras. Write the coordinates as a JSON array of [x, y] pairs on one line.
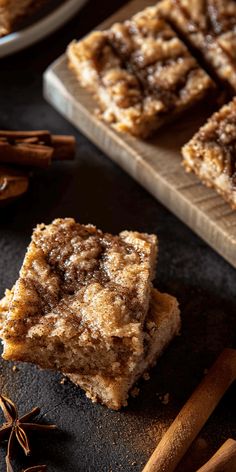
[[156, 163]]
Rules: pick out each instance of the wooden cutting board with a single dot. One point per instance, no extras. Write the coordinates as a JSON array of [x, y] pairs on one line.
[[156, 163]]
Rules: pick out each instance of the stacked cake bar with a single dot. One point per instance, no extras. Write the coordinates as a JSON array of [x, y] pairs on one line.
[[84, 305], [140, 72]]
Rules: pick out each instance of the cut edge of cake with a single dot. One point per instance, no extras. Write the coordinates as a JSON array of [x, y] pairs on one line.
[[207, 160]]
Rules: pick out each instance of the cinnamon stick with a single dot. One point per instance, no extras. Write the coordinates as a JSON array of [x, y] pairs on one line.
[[35, 148], [12, 183], [194, 414], [33, 140], [25, 154], [224, 460], [64, 147]]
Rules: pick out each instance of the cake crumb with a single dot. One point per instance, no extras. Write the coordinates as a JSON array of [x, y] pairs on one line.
[[146, 376], [164, 399], [62, 381], [201, 443], [134, 392], [15, 368]]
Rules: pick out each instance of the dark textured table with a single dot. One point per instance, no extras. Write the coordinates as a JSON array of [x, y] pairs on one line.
[[92, 189]]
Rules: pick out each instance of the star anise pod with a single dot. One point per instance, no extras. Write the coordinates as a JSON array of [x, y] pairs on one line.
[[36, 468], [16, 428]]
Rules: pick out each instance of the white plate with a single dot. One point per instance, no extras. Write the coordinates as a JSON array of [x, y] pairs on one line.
[[26, 37]]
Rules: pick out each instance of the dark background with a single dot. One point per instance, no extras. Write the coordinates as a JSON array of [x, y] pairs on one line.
[[93, 189]]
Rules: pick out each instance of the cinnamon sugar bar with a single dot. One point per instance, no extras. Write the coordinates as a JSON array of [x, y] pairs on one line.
[[140, 72], [161, 325], [81, 299], [211, 153], [210, 27]]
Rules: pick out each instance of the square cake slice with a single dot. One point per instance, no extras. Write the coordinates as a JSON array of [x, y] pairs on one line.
[[211, 153], [11, 11], [140, 72], [209, 26], [161, 325], [81, 299]]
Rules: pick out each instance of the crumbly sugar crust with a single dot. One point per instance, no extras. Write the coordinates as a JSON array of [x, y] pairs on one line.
[[4, 306], [80, 302], [211, 153], [140, 72], [210, 27]]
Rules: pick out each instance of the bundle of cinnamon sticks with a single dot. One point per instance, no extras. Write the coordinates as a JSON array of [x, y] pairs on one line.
[[28, 149]]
